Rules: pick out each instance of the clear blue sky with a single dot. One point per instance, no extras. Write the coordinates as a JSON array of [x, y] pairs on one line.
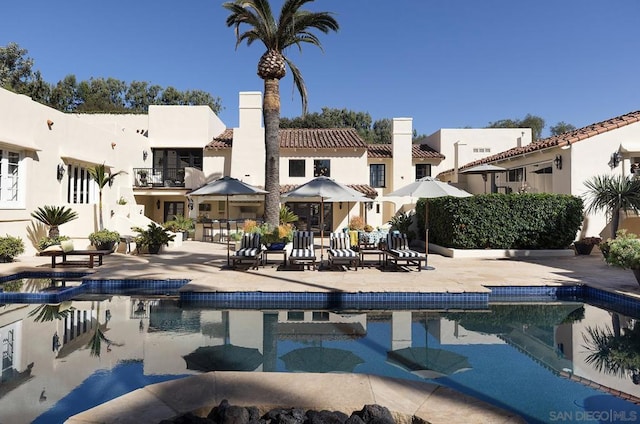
[[446, 64]]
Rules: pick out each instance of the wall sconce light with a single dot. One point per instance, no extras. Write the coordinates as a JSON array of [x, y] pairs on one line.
[[558, 162], [190, 204], [60, 171], [158, 203], [112, 213], [49, 123], [113, 145], [144, 155], [616, 158]]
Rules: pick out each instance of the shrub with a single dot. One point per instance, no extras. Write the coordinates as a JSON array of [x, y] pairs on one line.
[[10, 247], [153, 237], [402, 222], [624, 251], [45, 242], [104, 237], [502, 221], [250, 226]]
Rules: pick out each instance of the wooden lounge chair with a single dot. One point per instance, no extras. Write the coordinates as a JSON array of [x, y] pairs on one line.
[[250, 251], [303, 251], [397, 251], [340, 251]]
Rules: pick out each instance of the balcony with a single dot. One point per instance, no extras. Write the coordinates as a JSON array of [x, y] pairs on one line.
[[167, 177]]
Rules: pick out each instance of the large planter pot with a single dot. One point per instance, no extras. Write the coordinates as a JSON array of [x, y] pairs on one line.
[[106, 245], [582, 248], [154, 248]]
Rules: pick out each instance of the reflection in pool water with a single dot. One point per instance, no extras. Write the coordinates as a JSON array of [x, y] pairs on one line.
[[61, 359]]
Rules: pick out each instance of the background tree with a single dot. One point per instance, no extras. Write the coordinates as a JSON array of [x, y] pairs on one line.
[[97, 95], [293, 28], [536, 124], [612, 194], [561, 128], [15, 68]]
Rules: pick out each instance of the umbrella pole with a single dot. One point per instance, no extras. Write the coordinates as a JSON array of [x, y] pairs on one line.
[[321, 230], [228, 233]]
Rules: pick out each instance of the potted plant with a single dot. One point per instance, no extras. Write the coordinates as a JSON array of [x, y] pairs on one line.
[[276, 238], [143, 174], [180, 224], [585, 245], [104, 239], [10, 247], [153, 238], [624, 252]]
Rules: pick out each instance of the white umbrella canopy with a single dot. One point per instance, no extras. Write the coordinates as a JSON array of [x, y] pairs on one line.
[[226, 186], [428, 187], [324, 188]]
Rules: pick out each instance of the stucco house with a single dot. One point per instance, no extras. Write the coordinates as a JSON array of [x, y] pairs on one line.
[[172, 150], [562, 164]]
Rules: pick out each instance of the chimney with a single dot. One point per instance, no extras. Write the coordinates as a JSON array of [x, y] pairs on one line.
[[250, 105], [403, 172]]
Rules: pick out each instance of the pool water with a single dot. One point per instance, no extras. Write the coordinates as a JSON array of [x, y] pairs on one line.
[[60, 359]]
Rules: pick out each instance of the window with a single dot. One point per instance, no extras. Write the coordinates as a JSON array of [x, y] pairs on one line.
[[376, 175], [9, 177], [81, 188], [322, 168], [423, 170], [516, 175], [482, 150], [296, 167]]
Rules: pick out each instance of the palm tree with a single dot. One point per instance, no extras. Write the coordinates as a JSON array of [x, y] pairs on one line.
[[102, 178], [292, 28], [613, 194], [611, 353], [53, 217]]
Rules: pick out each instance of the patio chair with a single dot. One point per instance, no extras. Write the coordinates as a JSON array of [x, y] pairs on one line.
[[340, 251], [303, 251], [250, 251], [397, 251]]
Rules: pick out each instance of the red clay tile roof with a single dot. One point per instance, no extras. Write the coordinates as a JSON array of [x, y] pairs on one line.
[[365, 189], [561, 139], [223, 141], [417, 151], [303, 138]]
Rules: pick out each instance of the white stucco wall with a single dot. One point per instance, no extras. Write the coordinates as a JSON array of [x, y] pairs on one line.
[[183, 126], [248, 153]]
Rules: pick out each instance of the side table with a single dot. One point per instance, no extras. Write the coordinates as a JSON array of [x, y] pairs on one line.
[[267, 253]]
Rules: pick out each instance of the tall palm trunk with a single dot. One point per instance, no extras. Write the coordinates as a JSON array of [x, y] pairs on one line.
[[271, 115]]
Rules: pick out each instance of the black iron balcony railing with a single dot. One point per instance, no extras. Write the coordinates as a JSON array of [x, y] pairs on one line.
[[166, 177]]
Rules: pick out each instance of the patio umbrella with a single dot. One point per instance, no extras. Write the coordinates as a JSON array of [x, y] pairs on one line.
[[326, 189], [225, 357], [428, 362], [484, 170], [428, 187], [226, 186], [321, 359]]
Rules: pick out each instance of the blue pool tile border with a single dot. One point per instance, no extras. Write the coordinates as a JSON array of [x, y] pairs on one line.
[[334, 300], [92, 286]]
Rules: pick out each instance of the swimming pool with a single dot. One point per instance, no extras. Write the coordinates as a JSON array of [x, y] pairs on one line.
[[506, 355]]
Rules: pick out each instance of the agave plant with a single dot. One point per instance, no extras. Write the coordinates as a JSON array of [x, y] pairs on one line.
[[53, 217]]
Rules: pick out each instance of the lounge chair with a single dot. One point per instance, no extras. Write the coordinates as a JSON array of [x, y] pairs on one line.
[[340, 251], [397, 251], [250, 251], [303, 251]]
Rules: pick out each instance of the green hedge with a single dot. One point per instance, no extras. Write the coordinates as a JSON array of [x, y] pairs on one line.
[[502, 221]]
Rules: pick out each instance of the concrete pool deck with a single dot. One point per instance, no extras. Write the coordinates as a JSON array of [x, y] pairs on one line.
[[202, 263]]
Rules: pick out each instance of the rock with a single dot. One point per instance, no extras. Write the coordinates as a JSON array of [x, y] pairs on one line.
[[326, 417], [375, 414]]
